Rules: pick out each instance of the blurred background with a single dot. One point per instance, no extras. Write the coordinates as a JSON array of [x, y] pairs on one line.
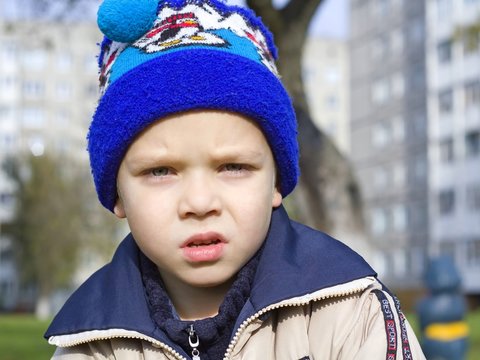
[[388, 97]]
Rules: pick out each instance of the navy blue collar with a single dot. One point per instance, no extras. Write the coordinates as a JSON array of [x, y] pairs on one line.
[[296, 261]]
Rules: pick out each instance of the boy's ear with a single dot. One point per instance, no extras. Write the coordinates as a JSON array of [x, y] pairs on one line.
[[118, 209], [276, 198]]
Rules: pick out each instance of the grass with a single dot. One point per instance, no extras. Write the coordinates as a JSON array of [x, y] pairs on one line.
[[21, 337]]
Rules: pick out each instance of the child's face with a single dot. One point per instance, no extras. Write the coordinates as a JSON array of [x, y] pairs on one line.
[[197, 190]]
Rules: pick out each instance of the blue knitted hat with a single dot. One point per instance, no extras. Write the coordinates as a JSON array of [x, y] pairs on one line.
[[161, 57]]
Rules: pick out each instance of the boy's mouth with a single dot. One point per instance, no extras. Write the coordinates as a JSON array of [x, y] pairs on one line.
[[205, 247], [204, 239], [202, 243]]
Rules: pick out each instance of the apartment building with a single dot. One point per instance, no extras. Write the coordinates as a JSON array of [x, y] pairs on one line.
[[326, 80], [48, 90], [389, 132], [453, 58]]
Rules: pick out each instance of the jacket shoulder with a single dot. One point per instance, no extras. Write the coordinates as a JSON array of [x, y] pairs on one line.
[[97, 303]]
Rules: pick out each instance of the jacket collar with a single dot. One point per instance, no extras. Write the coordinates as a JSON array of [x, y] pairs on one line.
[[296, 261]]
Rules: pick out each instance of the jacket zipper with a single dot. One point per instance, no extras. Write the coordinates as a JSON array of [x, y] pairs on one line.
[[302, 300], [134, 335], [194, 341]]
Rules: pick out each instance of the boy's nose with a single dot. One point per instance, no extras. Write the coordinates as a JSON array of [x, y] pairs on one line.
[[199, 197]]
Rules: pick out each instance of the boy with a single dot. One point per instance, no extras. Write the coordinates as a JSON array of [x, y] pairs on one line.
[[194, 143]]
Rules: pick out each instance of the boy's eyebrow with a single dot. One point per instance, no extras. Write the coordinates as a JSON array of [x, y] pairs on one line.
[[235, 154], [139, 161]]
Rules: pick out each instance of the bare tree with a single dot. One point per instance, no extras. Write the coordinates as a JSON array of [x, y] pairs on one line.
[[328, 196], [55, 224]]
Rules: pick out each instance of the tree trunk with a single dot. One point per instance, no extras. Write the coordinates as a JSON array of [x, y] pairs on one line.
[[327, 197]]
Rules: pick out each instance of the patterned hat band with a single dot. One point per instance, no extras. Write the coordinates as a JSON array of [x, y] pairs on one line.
[[163, 57]]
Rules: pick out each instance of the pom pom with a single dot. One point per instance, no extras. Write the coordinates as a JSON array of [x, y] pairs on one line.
[[126, 20]]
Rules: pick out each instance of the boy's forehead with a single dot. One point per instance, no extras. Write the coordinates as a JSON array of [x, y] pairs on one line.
[[205, 120], [220, 126]]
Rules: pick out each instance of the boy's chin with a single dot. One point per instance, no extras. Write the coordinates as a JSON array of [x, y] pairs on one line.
[[213, 282]]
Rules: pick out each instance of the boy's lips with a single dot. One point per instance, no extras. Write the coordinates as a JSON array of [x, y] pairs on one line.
[[204, 247]]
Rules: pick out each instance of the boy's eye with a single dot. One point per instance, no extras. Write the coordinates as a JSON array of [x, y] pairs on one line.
[[234, 167], [161, 171]]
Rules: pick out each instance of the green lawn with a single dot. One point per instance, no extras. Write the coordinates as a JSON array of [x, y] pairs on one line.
[[21, 337]]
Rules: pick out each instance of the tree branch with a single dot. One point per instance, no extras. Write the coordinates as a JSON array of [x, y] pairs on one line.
[[303, 10], [270, 16]]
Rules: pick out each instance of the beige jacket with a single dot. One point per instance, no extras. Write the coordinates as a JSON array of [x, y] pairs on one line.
[[356, 320]]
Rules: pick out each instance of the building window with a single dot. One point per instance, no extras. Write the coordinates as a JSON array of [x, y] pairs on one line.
[[398, 85], [7, 200], [7, 143], [472, 143], [380, 178], [62, 117], [419, 124], [445, 102], [381, 8], [397, 41], [380, 135], [33, 88], [444, 51], [33, 118], [380, 48], [7, 84], [398, 129], [447, 248], [473, 252], [444, 9], [384, 89], [64, 61], [63, 91], [472, 94], [447, 154], [416, 77], [420, 168], [446, 202], [399, 217], [35, 59], [473, 197], [400, 263], [8, 54], [379, 221], [417, 32], [399, 175], [6, 114], [380, 91]]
